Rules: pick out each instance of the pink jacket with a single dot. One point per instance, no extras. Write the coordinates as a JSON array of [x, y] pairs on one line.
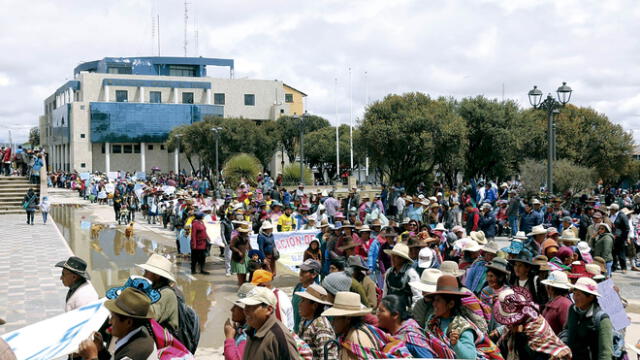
[[556, 312]]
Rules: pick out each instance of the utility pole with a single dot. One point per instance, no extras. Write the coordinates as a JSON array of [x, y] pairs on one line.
[[186, 19]]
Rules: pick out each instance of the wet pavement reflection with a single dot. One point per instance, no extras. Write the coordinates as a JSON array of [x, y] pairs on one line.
[[111, 259]]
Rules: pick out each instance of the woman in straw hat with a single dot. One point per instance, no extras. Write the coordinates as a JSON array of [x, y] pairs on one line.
[[452, 328], [239, 249], [528, 334], [397, 278], [497, 273], [589, 331], [603, 245], [557, 308], [357, 339], [314, 328], [394, 318]]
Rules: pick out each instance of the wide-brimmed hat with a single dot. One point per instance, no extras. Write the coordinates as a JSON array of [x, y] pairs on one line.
[[457, 228], [357, 261], [515, 247], [596, 270], [347, 303], [520, 235], [542, 261], [514, 305], [490, 247], [439, 227], [537, 230], [131, 303], [158, 265], [425, 257], [584, 247], [76, 265], [323, 223], [244, 229], [471, 246], [315, 293], [406, 220], [606, 226], [523, 257], [137, 282], [578, 270], [266, 225], [587, 285], [364, 228], [569, 236], [478, 236], [243, 292], [451, 268], [447, 285], [428, 281], [549, 243], [401, 250], [499, 264], [557, 279]]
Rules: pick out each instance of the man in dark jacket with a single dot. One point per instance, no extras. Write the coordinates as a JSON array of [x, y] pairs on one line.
[[513, 211], [130, 314], [529, 219], [585, 222], [620, 223], [487, 222]]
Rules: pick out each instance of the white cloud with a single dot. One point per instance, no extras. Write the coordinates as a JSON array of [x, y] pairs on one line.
[[441, 47]]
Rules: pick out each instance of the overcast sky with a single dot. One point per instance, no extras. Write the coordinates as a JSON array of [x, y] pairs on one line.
[[440, 47]]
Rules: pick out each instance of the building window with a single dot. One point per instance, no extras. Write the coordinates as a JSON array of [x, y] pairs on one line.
[[249, 99], [183, 70], [155, 97], [187, 98], [116, 149], [82, 136], [122, 95], [83, 165], [161, 147], [281, 111], [127, 149], [218, 99], [119, 70], [136, 148], [288, 98], [102, 148], [149, 147]]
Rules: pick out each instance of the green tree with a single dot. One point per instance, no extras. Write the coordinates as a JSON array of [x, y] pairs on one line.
[[492, 136], [34, 136], [567, 176], [320, 148], [407, 136], [289, 131], [241, 168]]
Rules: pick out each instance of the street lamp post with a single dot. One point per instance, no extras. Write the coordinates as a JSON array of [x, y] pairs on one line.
[[551, 106], [177, 155], [302, 120], [217, 130]]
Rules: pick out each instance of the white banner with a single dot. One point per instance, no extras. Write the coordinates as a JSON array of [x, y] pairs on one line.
[[57, 336], [291, 245], [610, 303]]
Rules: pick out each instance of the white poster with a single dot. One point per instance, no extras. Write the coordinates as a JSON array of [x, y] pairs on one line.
[[291, 245], [57, 336]]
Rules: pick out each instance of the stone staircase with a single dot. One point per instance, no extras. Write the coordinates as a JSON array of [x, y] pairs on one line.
[[12, 192]]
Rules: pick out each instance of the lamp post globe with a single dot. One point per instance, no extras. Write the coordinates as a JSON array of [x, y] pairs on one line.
[[564, 93], [535, 97]]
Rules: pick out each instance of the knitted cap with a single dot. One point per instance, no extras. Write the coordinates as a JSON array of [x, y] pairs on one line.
[[337, 281]]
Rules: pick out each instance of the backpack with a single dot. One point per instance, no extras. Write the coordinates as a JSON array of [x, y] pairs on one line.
[[188, 332], [619, 352]]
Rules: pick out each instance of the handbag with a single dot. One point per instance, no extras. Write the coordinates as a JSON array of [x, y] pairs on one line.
[[276, 253]]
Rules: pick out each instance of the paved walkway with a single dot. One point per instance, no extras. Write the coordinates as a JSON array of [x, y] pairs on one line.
[[31, 288]]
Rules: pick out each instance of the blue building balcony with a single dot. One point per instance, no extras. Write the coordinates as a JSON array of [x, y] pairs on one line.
[[143, 122]]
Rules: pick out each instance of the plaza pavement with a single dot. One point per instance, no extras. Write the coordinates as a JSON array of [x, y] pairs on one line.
[[31, 288]]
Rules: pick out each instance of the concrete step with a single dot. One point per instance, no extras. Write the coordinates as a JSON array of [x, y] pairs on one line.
[[13, 178], [10, 212]]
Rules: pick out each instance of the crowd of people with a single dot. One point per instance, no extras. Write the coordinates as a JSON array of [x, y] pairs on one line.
[[397, 275], [21, 162]]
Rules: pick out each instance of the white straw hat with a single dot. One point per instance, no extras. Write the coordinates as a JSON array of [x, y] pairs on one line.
[[401, 250], [347, 303], [587, 285], [478, 236], [537, 230], [428, 280], [451, 268], [158, 265], [558, 279]]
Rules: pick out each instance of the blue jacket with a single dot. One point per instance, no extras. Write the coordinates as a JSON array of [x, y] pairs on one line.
[[487, 224], [528, 221], [372, 256], [266, 243]]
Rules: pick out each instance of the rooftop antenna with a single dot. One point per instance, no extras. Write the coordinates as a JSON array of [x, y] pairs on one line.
[[186, 19], [153, 29], [196, 44]]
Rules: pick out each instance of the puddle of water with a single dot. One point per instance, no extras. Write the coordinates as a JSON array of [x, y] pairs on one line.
[[111, 259]]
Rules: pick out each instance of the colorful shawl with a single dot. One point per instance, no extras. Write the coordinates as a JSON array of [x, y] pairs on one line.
[[476, 276], [556, 264], [168, 347], [476, 306], [485, 347], [411, 333], [540, 338], [386, 346], [488, 295]]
